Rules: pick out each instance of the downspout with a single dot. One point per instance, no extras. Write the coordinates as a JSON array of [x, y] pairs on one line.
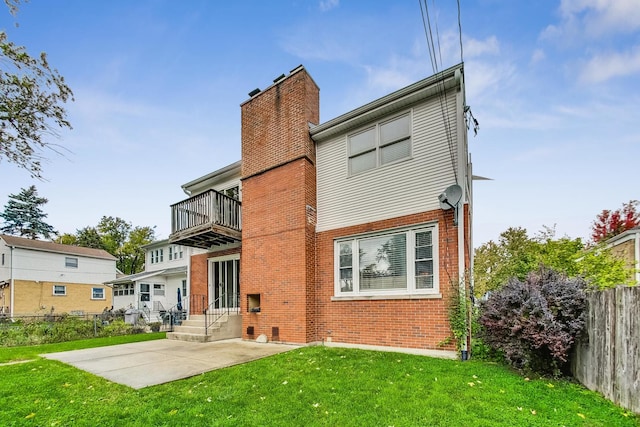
[[12, 284], [462, 173]]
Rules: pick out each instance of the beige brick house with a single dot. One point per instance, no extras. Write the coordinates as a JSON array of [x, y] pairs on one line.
[[38, 277]]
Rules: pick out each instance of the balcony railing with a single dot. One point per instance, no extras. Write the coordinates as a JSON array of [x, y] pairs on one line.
[[209, 218]]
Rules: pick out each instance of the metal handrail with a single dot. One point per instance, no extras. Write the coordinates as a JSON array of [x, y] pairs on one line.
[[197, 303], [146, 312], [174, 312], [213, 314]]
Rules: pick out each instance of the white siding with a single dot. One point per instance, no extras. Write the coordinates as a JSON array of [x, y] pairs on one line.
[[219, 186], [403, 188], [49, 266]]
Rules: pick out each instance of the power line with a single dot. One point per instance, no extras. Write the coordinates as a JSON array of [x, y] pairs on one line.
[[442, 95]]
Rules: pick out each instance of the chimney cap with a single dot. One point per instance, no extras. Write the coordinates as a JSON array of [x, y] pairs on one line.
[[254, 92], [280, 77]]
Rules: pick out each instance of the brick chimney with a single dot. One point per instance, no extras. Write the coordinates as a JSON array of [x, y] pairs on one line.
[[278, 258]]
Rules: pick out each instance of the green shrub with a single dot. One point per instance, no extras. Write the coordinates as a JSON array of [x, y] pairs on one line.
[[115, 328]]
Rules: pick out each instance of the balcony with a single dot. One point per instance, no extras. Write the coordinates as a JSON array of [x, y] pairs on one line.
[[205, 220]]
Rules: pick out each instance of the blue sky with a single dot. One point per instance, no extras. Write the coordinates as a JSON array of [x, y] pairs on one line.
[[158, 84]]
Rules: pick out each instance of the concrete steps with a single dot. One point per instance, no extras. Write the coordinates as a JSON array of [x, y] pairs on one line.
[[226, 327]]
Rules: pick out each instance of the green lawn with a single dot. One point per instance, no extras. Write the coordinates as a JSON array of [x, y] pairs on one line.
[[305, 387]]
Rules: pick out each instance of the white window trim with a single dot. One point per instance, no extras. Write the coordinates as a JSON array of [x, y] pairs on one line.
[[53, 290], [378, 147], [158, 291], [68, 258], [410, 292], [104, 294]]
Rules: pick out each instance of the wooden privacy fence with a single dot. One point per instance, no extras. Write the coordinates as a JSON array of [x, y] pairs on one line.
[[607, 358]]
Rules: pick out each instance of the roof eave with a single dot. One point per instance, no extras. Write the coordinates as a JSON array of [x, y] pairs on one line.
[[397, 100]]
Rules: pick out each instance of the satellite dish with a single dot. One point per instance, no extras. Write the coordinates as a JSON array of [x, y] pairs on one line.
[[450, 197]]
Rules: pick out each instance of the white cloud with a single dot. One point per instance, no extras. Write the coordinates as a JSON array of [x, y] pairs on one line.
[[474, 48], [600, 17], [326, 5], [603, 67], [537, 56], [594, 19]]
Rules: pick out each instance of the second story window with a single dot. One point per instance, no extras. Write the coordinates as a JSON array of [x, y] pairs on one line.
[[381, 144], [157, 256], [71, 262], [175, 252], [233, 192]]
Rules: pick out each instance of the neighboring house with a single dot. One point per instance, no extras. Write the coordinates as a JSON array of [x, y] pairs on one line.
[[155, 290], [626, 246], [38, 277], [338, 232]]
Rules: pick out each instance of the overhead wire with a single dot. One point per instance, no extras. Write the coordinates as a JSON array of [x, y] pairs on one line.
[[441, 89]]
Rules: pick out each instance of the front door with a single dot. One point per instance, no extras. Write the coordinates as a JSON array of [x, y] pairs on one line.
[[224, 282]]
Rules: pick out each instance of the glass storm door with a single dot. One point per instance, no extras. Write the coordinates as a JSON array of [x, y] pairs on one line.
[[224, 288]]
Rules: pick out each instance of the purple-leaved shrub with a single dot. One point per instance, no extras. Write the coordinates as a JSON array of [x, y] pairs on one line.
[[536, 322]]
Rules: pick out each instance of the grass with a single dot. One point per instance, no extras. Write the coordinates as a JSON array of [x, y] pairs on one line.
[[313, 386], [10, 354]]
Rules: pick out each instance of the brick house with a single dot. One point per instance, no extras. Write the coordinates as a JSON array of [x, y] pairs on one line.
[[338, 232], [38, 277], [626, 246]]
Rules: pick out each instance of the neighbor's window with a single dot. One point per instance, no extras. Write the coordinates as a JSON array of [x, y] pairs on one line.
[[175, 252], [399, 262], [71, 262], [157, 256], [97, 293], [184, 288], [59, 290], [158, 289], [123, 289], [381, 144], [144, 292]]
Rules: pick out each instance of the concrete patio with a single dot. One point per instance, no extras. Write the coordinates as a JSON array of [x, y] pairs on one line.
[[149, 363]]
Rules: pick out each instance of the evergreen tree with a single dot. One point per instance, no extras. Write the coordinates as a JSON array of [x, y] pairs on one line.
[[23, 216]]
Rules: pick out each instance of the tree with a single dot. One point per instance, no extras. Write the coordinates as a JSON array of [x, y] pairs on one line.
[[67, 239], [516, 255], [611, 223], [31, 104], [89, 237], [125, 242], [23, 216]]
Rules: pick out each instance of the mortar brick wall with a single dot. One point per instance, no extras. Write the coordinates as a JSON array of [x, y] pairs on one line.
[[413, 323], [279, 202], [30, 296], [199, 278]]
